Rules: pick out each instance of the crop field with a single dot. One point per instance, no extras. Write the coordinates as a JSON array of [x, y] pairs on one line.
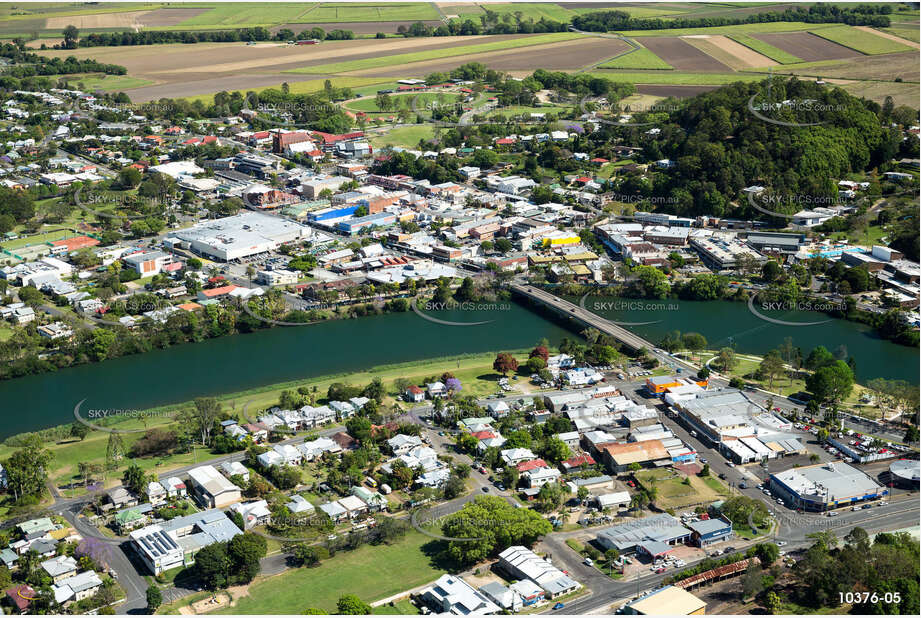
[[682, 55], [861, 40], [642, 58], [807, 45], [307, 86], [370, 12], [765, 49], [107, 83], [678, 78], [244, 15], [779, 26], [436, 54], [729, 52], [907, 32]]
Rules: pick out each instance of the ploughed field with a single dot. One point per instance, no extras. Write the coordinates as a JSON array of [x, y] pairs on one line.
[[683, 56], [807, 46]]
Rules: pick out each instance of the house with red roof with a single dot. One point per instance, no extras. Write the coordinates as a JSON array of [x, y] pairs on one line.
[[21, 597], [220, 292], [599, 161], [414, 394], [483, 435], [577, 462], [533, 464], [505, 141], [75, 243]]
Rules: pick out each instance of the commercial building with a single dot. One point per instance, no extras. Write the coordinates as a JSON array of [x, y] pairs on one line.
[[906, 473], [825, 486], [522, 563], [239, 236], [212, 488], [707, 531], [651, 535], [174, 543], [660, 384], [668, 601]]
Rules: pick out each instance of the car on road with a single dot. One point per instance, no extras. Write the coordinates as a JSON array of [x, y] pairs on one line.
[[867, 506], [722, 475], [588, 562], [660, 570], [832, 513], [856, 508], [781, 543], [485, 489], [559, 606]]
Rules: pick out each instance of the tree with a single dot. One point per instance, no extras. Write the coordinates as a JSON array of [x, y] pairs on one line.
[[819, 357], [694, 341], [771, 366], [555, 450], [705, 471], [494, 525], [79, 431], [27, 469], [129, 177], [245, 551], [135, 479], [206, 411], [772, 602], [505, 363], [115, 450], [767, 553], [351, 605], [727, 359], [71, 34], [832, 383], [212, 565], [154, 598], [771, 271]]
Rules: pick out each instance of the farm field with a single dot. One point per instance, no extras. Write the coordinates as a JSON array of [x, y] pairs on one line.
[[564, 56], [642, 58], [779, 26], [907, 32], [861, 40], [678, 78], [807, 45], [370, 12], [309, 85], [876, 68], [765, 49], [729, 52], [436, 54], [107, 83], [682, 55]]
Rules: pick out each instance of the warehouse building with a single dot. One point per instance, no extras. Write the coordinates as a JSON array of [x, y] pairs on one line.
[[652, 535], [825, 486], [239, 236], [707, 531], [668, 601], [906, 473]]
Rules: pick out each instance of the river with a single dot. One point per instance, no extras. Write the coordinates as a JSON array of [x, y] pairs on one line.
[[730, 323], [241, 362]]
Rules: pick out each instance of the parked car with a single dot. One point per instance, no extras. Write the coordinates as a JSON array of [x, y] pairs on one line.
[[559, 606], [588, 562]]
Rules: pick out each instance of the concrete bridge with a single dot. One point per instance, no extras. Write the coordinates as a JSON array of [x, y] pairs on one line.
[[582, 316]]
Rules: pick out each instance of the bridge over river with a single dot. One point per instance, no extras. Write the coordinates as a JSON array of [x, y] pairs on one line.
[[583, 316]]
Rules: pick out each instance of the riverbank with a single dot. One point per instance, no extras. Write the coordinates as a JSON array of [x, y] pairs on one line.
[[473, 370]]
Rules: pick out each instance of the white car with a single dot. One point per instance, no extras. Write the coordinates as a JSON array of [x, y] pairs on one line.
[[731, 465], [588, 562], [781, 543], [856, 508]]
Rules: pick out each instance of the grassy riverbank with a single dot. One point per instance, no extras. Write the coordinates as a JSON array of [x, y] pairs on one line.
[[473, 370]]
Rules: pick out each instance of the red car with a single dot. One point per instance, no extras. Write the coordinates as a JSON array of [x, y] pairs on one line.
[[660, 570], [631, 484]]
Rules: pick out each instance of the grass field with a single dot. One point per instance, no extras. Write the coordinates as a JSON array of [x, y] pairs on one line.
[[403, 607], [246, 15], [675, 493], [436, 54], [678, 79], [407, 137], [860, 40], [31, 10], [785, 26], [765, 49], [419, 100], [547, 10], [906, 32], [363, 12], [642, 58], [37, 239], [107, 83], [371, 572]]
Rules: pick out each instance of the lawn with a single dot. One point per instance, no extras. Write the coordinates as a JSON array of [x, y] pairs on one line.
[[780, 26], [860, 40], [403, 607], [407, 137], [641, 58], [435, 54], [36, 239], [421, 101], [765, 49], [678, 78], [371, 572], [675, 493]]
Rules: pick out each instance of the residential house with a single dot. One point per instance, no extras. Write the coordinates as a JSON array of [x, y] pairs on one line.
[[77, 587], [175, 488], [514, 456], [60, 567], [254, 513], [235, 468], [156, 493], [452, 595], [290, 454], [401, 443], [497, 409], [414, 394]]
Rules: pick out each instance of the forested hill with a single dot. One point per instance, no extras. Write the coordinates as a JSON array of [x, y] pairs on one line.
[[720, 145]]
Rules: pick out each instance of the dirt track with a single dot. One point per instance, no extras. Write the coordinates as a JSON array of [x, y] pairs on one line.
[[807, 46], [683, 56]]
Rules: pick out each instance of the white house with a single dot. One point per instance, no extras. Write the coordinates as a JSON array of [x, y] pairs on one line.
[[513, 456], [401, 443], [254, 513], [290, 454], [497, 409], [235, 468], [452, 595]]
